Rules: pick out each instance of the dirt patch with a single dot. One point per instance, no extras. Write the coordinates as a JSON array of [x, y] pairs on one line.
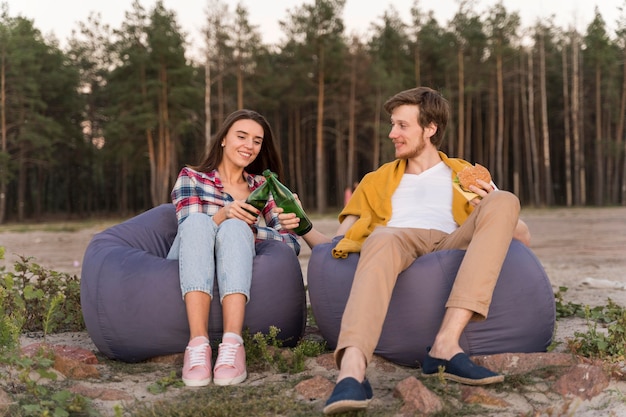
[[583, 249]]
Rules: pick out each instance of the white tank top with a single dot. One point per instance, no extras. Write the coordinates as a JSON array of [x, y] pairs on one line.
[[424, 201]]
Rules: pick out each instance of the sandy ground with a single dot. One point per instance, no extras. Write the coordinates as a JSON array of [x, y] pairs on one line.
[[583, 249]]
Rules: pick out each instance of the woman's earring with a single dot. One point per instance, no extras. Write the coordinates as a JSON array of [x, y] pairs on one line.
[[222, 144]]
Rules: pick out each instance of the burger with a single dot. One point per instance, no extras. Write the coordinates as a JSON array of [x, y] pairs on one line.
[[468, 176]]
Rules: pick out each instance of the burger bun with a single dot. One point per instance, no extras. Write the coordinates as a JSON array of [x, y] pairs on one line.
[[468, 176]]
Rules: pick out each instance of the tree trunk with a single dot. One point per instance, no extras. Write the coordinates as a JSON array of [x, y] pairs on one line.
[[299, 150], [492, 128], [621, 143], [320, 153], [152, 151], [547, 175], [416, 62], [536, 197], [528, 165], [166, 144], [469, 123], [339, 183], [207, 103], [579, 169], [220, 90], [375, 139], [3, 135], [278, 137], [290, 169], [350, 174], [479, 130], [239, 86], [35, 192], [461, 101], [567, 117], [517, 149], [21, 184], [499, 151], [600, 168], [123, 203]]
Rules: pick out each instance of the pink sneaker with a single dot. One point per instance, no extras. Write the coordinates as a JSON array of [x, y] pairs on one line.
[[230, 367], [197, 363]]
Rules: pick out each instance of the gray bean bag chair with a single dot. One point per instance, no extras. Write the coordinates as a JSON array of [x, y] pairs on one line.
[[521, 317], [131, 298]]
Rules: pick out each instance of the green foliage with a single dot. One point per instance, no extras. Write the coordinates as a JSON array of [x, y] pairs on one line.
[[607, 344], [311, 348], [17, 296], [35, 398], [603, 314], [566, 309], [171, 380], [265, 352], [10, 326], [46, 300], [605, 337], [55, 404]]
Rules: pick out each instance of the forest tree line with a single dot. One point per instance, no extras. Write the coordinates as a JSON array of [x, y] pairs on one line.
[[105, 123]]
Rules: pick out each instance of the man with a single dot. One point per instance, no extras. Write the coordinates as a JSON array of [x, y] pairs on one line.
[[405, 209]]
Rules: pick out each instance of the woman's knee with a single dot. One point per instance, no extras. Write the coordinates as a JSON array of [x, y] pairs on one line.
[[235, 227], [197, 223], [195, 227], [234, 236]]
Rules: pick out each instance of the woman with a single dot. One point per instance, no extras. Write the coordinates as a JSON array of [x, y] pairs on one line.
[[215, 240]]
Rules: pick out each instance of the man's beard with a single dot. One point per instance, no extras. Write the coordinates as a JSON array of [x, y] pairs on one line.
[[414, 152]]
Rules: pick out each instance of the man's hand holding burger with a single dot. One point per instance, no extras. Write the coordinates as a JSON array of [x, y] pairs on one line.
[[475, 179]]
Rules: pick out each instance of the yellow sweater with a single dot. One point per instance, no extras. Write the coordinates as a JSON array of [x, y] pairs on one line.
[[371, 202]]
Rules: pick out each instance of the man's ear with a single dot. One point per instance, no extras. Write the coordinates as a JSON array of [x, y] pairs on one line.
[[430, 130]]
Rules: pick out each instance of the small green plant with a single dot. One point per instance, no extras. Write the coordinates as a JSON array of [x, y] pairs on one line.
[[311, 348], [265, 352], [24, 373], [172, 380], [609, 345], [36, 293], [566, 309], [10, 326], [306, 349], [603, 314]]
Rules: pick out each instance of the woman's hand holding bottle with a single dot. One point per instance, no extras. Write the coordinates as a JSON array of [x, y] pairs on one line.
[[288, 221], [241, 210]]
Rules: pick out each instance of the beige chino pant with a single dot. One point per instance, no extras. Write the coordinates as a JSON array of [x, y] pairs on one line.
[[486, 236]]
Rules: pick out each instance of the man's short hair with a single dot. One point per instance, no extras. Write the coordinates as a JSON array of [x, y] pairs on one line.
[[433, 108]]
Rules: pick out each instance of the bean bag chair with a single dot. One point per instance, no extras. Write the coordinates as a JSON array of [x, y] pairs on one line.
[[521, 316], [132, 302]]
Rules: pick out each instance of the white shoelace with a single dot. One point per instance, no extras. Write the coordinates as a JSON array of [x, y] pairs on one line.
[[197, 355], [226, 354]]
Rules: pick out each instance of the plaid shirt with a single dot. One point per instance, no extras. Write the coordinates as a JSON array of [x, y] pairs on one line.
[[199, 192]]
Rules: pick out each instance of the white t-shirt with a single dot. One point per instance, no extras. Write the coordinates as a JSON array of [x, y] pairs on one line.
[[424, 201]]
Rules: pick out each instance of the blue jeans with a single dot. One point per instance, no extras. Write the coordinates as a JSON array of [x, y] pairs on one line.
[[204, 250]]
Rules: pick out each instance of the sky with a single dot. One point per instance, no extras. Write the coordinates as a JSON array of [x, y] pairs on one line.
[[61, 16]]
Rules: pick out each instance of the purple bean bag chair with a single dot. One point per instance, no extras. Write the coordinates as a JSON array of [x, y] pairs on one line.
[[521, 316], [131, 297]]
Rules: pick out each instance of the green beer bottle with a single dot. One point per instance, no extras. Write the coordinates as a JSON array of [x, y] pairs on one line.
[[258, 198], [285, 199]]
